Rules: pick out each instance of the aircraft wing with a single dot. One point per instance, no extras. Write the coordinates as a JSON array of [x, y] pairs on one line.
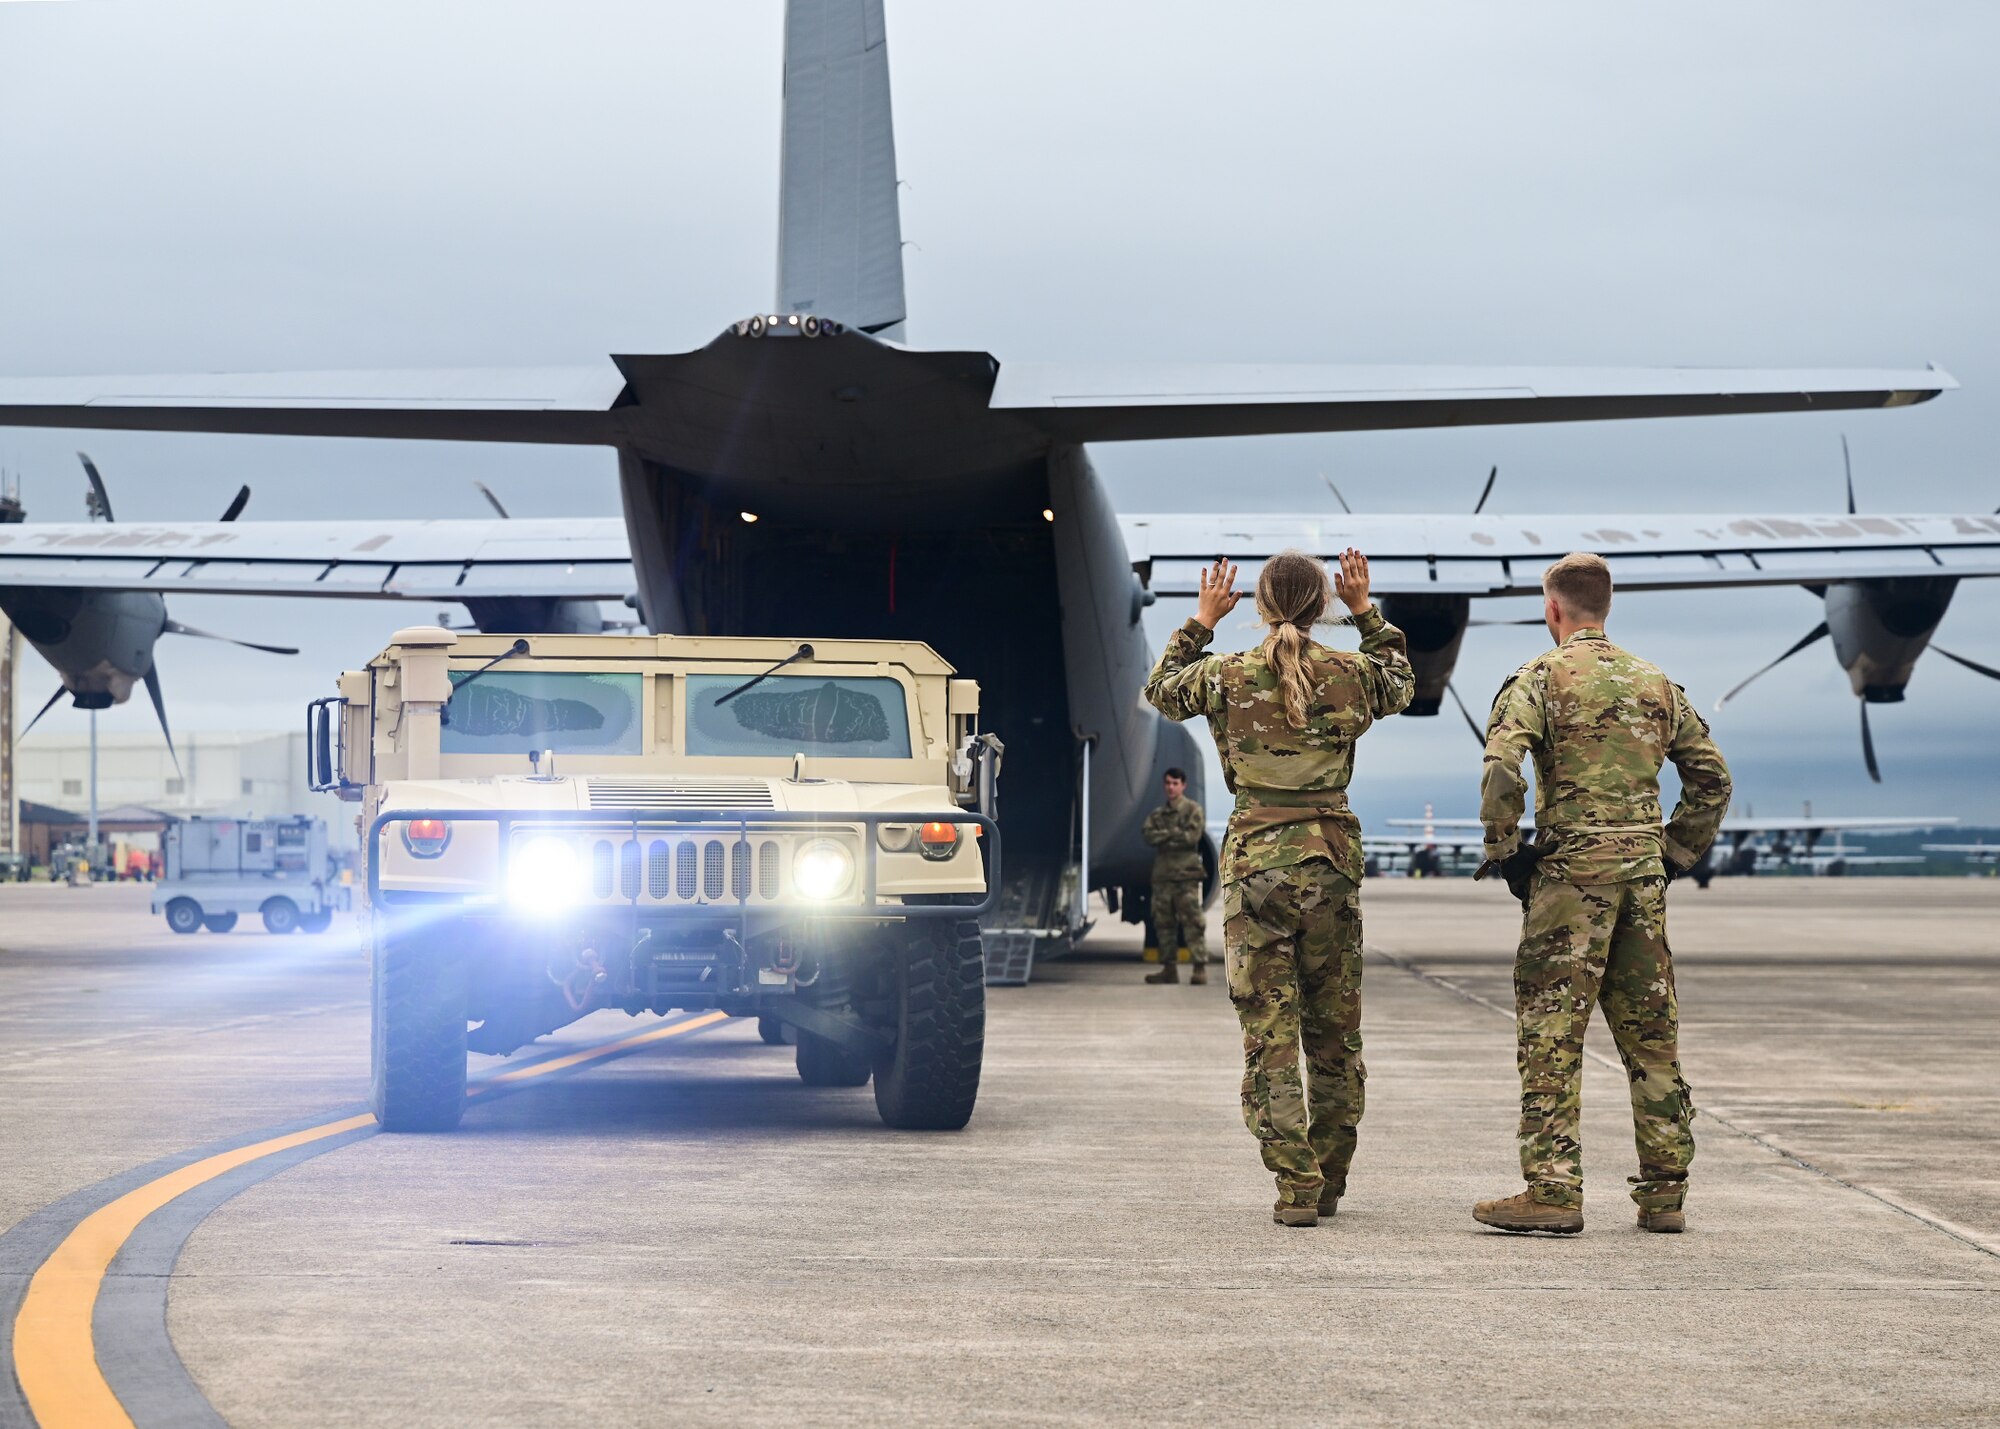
[[1084, 402], [1505, 555], [541, 404], [587, 558]]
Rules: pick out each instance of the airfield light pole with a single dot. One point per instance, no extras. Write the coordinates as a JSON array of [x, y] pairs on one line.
[[93, 785]]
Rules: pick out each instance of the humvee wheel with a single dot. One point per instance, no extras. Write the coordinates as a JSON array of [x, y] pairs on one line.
[[771, 1030], [184, 915], [281, 915], [417, 1078], [929, 1080], [219, 922], [316, 922], [827, 1064]]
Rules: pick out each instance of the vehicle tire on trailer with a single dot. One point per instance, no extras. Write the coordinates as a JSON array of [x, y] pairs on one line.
[[219, 922], [418, 1001], [184, 915], [929, 1080], [827, 1064], [316, 922], [771, 1030], [281, 915]]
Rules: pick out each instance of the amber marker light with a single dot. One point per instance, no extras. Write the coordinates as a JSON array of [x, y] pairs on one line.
[[426, 838], [1048, 514], [749, 517], [939, 839]]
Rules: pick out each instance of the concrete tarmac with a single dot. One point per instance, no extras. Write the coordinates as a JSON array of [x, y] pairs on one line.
[[692, 1236]]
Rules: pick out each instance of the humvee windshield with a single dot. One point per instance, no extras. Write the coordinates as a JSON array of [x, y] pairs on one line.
[[842, 716], [569, 711]]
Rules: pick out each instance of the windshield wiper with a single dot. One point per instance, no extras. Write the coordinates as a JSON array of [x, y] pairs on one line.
[[804, 652], [519, 647]]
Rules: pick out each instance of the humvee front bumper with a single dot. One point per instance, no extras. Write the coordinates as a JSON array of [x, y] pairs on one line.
[[752, 867]]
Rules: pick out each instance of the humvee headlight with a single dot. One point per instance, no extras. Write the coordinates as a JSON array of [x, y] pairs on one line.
[[544, 875], [822, 870], [426, 838]]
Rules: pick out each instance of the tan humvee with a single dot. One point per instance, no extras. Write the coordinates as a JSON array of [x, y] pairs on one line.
[[553, 825]]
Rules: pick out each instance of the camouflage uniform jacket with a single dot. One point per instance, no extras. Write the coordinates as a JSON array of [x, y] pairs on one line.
[[1599, 723], [1290, 784], [1174, 831]]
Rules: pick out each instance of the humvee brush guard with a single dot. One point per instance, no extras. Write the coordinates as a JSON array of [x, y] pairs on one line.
[[556, 825]]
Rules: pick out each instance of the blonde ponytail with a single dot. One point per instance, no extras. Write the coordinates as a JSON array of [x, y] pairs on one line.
[[1292, 594]]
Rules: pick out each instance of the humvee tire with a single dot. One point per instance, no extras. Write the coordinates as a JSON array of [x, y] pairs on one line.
[[417, 1073], [929, 1080], [771, 1030], [219, 922], [827, 1064], [184, 915]]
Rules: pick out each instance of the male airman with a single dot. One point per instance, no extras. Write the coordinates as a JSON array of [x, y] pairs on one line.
[[1175, 830], [1598, 722]]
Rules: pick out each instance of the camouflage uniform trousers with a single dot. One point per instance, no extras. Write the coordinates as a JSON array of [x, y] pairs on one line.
[[1582, 944], [1292, 939], [1179, 920]]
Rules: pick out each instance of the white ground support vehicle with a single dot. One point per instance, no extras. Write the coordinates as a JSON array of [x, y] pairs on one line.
[[557, 824], [219, 869]]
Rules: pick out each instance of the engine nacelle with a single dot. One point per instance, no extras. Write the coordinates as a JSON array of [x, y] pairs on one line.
[[1880, 627], [1435, 627]]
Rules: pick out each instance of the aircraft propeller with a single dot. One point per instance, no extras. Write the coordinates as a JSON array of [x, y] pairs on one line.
[[98, 502], [1822, 630]]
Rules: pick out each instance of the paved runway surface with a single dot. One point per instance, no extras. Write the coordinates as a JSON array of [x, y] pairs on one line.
[[691, 1235]]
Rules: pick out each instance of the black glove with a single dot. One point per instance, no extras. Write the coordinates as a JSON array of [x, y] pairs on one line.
[[1517, 868]]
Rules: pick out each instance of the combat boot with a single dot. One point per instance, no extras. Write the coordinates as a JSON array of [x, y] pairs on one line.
[[1329, 1200], [1662, 1222], [1168, 971], [1198, 976], [1525, 1213], [1286, 1214]]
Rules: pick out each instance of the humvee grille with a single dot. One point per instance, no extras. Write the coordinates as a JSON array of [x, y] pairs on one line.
[[711, 869], [679, 794]]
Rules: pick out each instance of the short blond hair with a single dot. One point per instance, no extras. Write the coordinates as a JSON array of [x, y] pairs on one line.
[[1581, 584]]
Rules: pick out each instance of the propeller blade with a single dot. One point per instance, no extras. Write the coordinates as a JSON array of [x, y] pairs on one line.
[[1470, 723], [1973, 665], [61, 690], [100, 502], [1818, 632], [1322, 476], [174, 627], [1848, 463], [1868, 746], [160, 709], [492, 500], [1525, 620], [1491, 477], [242, 499]]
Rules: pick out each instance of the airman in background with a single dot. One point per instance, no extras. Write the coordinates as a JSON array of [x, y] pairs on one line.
[[1598, 723], [1285, 717], [1174, 831]]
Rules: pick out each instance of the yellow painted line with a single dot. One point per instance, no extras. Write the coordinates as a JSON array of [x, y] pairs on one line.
[[55, 1356], [591, 1054], [55, 1359]]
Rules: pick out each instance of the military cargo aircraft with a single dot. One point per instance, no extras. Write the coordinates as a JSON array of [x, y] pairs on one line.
[[808, 458]]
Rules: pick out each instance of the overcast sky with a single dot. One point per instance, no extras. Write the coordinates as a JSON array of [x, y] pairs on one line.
[[247, 186]]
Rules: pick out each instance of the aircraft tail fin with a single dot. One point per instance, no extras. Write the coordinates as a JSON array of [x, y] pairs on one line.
[[840, 236]]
